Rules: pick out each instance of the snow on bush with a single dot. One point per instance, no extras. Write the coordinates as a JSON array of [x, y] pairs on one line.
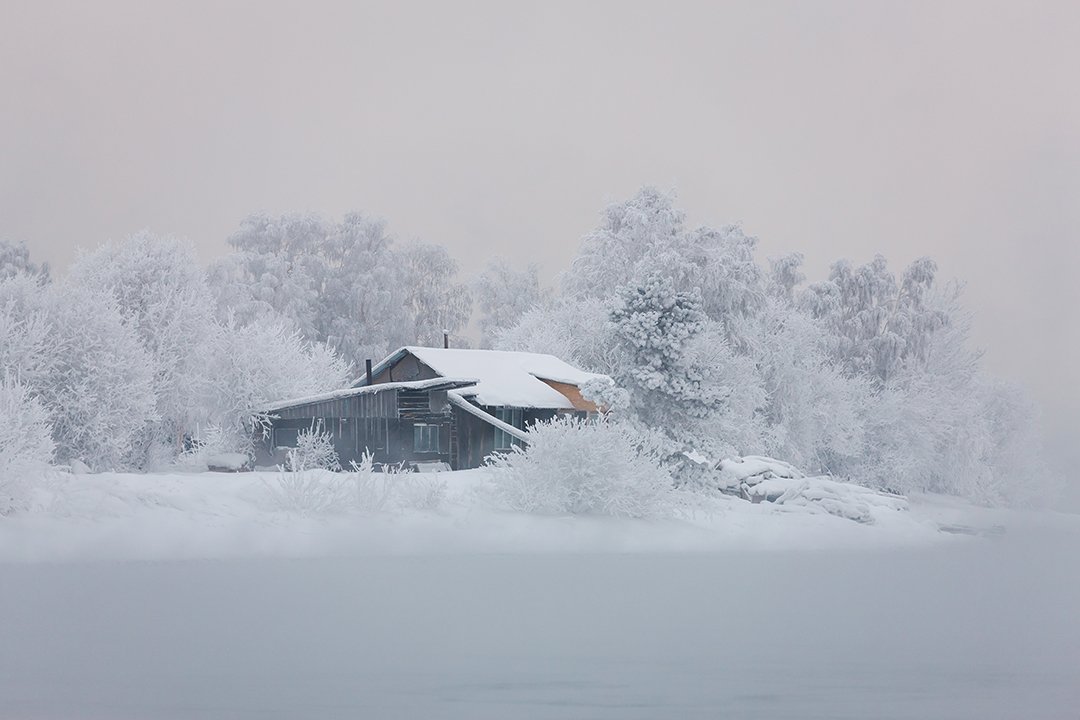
[[395, 489], [583, 467], [314, 491], [310, 492], [314, 449], [26, 445]]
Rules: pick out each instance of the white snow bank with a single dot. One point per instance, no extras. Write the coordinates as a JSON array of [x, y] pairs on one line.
[[752, 469], [764, 479], [845, 500], [213, 515]]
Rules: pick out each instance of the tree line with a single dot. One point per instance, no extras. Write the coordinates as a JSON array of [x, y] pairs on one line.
[[868, 374]]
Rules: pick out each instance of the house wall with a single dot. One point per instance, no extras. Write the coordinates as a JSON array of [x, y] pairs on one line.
[[381, 423]]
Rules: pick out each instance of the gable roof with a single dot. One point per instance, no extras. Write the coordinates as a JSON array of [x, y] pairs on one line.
[[502, 377]]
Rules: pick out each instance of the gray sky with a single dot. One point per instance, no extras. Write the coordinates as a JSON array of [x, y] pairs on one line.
[[838, 129]]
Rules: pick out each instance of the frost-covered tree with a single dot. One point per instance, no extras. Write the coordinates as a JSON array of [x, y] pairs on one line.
[[25, 343], [630, 232], [274, 269], [503, 295], [99, 388], [1019, 474], [15, 259], [646, 236], [677, 376], [434, 302], [26, 445], [162, 295], [577, 330], [866, 375], [263, 362], [364, 290], [654, 325], [877, 324], [345, 284], [812, 411], [785, 274], [927, 424]]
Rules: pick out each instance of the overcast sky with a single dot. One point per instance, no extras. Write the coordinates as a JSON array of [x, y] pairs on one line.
[[837, 129]]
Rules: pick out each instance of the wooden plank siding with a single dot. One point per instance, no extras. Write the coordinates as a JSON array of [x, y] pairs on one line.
[[384, 421], [381, 423]]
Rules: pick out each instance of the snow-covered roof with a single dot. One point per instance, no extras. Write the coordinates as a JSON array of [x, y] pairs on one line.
[[439, 383], [502, 377]]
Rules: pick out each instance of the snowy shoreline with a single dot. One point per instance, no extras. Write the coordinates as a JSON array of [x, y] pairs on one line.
[[190, 516]]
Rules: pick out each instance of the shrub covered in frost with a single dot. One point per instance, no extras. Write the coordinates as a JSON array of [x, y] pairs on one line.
[[313, 490], [395, 489], [26, 445], [575, 466], [310, 492], [314, 449]]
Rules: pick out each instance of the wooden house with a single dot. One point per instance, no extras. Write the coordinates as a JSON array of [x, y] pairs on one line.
[[433, 405]]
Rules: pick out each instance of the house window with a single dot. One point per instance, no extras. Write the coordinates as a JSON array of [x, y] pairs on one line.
[[425, 438], [510, 416], [285, 437]]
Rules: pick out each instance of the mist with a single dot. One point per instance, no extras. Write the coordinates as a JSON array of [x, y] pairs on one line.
[[975, 629]]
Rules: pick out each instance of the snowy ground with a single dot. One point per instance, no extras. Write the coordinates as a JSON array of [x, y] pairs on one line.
[[187, 596]]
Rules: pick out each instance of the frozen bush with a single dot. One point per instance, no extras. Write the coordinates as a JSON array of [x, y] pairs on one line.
[[26, 445], [314, 449], [583, 467], [395, 488], [310, 492]]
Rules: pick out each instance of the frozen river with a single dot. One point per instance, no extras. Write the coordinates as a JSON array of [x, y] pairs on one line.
[[986, 629]]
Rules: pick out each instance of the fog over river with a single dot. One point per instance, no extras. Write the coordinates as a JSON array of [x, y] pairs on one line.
[[979, 629]]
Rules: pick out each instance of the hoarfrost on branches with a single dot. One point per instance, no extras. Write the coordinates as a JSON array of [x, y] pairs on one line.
[[576, 467], [26, 445], [503, 295], [868, 375]]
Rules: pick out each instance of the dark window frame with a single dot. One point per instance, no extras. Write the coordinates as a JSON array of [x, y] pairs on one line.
[[513, 416], [425, 438]]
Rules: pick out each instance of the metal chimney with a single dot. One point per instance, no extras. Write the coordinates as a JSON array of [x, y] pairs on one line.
[[367, 364]]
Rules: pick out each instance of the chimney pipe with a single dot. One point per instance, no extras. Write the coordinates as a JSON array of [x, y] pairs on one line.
[[367, 364], [445, 339]]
